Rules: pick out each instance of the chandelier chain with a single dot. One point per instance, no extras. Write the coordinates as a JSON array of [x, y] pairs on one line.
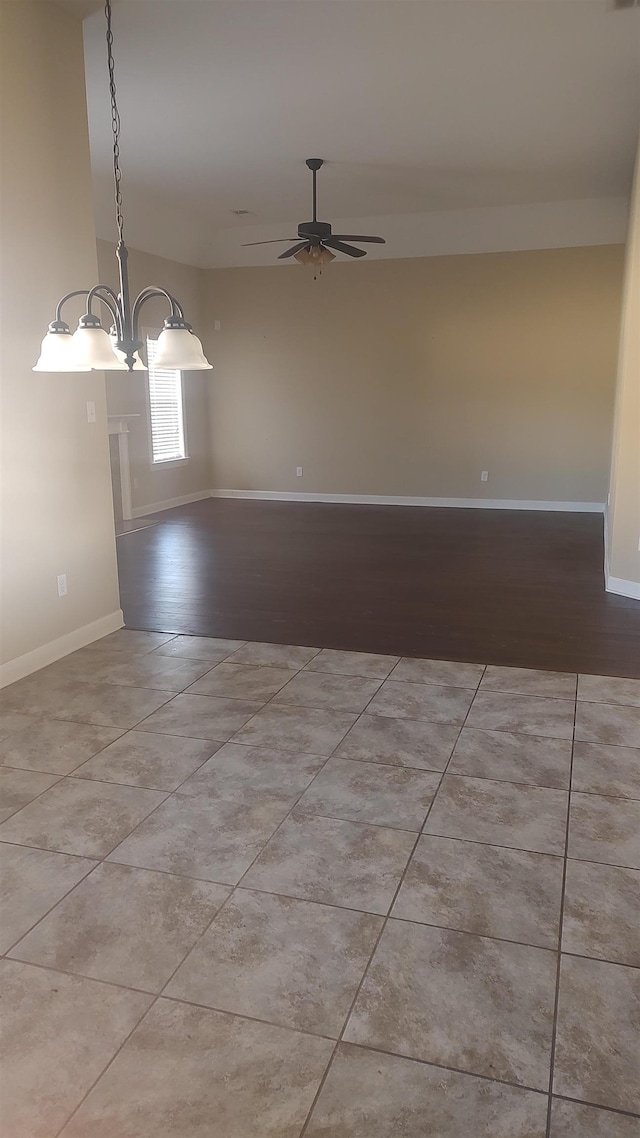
[[115, 124]]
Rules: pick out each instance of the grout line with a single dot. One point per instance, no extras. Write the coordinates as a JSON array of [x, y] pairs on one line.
[[35, 797], [596, 1106], [377, 942], [556, 1004]]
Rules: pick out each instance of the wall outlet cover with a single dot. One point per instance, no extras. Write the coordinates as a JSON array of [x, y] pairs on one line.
[[62, 584]]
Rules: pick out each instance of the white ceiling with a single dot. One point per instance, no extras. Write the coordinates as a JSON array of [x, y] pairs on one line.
[[418, 106]]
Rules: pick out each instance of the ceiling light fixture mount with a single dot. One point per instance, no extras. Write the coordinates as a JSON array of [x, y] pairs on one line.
[[90, 346]]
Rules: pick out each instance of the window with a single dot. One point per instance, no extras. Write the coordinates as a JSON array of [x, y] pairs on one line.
[[167, 417]]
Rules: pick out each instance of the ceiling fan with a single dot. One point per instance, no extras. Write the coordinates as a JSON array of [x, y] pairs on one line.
[[317, 238]]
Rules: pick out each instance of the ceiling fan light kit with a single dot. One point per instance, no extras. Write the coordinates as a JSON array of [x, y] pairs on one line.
[[91, 347], [317, 238]]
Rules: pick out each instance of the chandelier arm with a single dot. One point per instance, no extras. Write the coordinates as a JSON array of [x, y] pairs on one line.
[[110, 299], [69, 296], [148, 294], [111, 302]]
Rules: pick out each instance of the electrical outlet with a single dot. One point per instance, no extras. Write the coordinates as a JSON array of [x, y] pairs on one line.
[[91, 412], [298, 472], [484, 477], [62, 584], [216, 325]]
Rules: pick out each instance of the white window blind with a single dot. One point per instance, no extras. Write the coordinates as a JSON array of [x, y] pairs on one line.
[[165, 401]]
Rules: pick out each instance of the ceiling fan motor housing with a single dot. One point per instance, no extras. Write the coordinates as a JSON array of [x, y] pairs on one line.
[[319, 229]]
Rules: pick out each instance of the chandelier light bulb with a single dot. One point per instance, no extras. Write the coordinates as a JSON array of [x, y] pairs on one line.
[[178, 349], [57, 352], [93, 347]]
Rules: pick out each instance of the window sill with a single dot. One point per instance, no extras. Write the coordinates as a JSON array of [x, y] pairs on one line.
[[169, 462]]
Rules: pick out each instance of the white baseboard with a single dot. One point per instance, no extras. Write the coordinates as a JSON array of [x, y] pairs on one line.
[[622, 587], [395, 500], [48, 653], [169, 504]]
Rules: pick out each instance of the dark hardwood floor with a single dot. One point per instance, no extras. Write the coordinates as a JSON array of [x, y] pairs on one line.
[[493, 586]]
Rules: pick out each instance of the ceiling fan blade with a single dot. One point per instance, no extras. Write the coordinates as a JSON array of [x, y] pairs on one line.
[[292, 252], [350, 250], [275, 241], [353, 237]]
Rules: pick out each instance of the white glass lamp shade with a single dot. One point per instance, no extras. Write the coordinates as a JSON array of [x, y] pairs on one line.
[[93, 349], [138, 365], [58, 354], [178, 349]]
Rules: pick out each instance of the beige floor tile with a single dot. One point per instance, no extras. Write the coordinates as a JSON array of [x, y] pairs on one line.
[[208, 648], [31, 881], [163, 672], [190, 1072], [106, 705], [370, 1095], [59, 1033], [507, 757], [146, 758], [530, 681], [483, 1006], [600, 769], [597, 1051], [128, 640], [274, 655], [447, 673], [10, 723], [609, 689], [353, 663], [604, 829], [336, 862], [522, 714], [573, 1120], [422, 701], [253, 775], [18, 787], [79, 817], [242, 681], [309, 729], [287, 961], [605, 723], [324, 689], [124, 925], [201, 717], [399, 742], [51, 745], [211, 839], [501, 813], [483, 889], [602, 912], [366, 792]]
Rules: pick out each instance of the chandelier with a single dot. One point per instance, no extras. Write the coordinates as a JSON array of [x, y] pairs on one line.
[[90, 346]]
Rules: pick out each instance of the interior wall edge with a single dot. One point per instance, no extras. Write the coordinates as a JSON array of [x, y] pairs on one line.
[[54, 650]]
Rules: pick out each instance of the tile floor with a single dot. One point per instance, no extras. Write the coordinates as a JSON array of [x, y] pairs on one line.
[[265, 891]]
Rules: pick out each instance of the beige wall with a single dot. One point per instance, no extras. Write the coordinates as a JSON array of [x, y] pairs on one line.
[[410, 377], [623, 515], [56, 496], [127, 393]]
